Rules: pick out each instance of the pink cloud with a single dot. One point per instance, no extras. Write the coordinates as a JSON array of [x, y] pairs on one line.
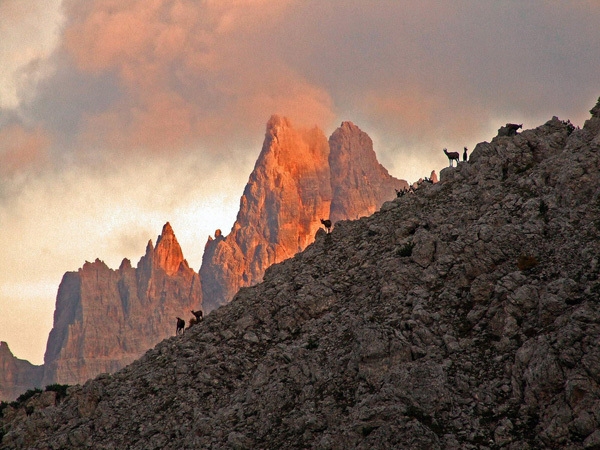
[[21, 149], [188, 71]]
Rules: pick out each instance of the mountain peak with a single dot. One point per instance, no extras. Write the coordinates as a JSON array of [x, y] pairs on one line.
[[4, 348], [347, 125], [298, 178], [168, 254]]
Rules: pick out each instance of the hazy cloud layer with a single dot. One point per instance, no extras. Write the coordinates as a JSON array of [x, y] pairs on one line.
[[116, 116]]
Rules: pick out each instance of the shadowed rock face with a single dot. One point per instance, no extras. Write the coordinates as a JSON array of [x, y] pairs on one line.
[[16, 375], [465, 315], [105, 319], [360, 185], [299, 178]]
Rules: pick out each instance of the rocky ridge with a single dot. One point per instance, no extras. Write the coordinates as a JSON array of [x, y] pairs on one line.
[[299, 178], [465, 316], [105, 319]]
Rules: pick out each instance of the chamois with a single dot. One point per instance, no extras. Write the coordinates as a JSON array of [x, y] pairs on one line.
[[327, 224], [180, 326], [452, 156], [198, 314], [512, 128], [465, 154]]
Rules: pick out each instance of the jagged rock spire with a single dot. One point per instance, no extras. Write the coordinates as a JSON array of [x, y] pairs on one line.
[[168, 254]]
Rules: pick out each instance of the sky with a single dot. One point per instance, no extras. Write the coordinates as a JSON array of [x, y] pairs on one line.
[[117, 116]]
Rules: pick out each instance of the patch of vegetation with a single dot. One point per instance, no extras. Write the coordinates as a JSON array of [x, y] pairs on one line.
[[3, 406], [60, 389], [21, 399], [406, 250], [527, 262]]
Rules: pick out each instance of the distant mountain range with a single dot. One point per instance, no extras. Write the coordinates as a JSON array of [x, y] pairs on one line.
[[105, 318]]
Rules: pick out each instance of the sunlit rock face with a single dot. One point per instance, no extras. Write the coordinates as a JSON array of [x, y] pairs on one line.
[[105, 319], [287, 194], [16, 375], [299, 179]]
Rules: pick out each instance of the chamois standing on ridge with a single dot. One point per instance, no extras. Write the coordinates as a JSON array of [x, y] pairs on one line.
[[452, 156], [513, 127], [327, 224], [465, 154]]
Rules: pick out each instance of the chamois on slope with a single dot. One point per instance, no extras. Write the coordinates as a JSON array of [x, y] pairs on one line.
[[198, 315], [180, 326], [452, 156], [327, 224]]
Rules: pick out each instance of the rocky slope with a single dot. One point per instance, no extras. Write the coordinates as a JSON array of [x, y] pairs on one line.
[[16, 375], [299, 178], [464, 316], [105, 319]]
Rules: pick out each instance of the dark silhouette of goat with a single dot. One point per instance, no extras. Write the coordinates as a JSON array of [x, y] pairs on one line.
[[512, 128], [465, 154], [198, 315], [180, 326], [404, 191], [327, 224], [452, 156]]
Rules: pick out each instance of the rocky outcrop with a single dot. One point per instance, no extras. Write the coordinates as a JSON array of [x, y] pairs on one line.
[[465, 315], [299, 178], [359, 183], [16, 375], [105, 319]]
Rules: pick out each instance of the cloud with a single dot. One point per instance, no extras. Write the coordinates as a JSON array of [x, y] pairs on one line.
[[185, 72], [29, 32], [22, 149]]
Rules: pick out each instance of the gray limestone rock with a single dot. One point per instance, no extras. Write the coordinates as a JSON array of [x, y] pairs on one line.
[[484, 335]]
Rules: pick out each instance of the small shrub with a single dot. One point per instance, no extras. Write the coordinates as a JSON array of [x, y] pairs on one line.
[[526, 262], [406, 250], [3, 406], [60, 389], [25, 396]]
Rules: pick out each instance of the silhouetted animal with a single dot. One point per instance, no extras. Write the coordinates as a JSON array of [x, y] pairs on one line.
[[198, 314], [327, 224], [452, 156], [465, 154], [512, 128], [180, 326], [404, 191]]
